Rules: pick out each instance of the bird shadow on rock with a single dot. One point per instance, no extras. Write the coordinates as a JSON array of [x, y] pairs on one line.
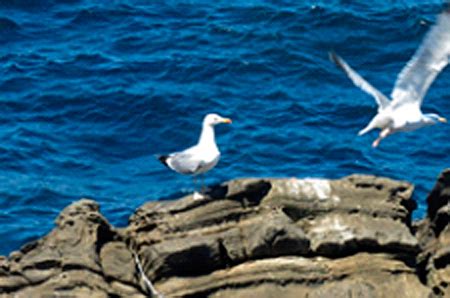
[[249, 195]]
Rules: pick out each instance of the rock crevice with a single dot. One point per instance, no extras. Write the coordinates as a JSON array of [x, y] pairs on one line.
[[250, 238]]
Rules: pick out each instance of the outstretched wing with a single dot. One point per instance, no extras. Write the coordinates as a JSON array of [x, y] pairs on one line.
[[380, 98], [431, 57]]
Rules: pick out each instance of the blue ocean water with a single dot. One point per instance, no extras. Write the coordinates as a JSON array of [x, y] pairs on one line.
[[90, 91]]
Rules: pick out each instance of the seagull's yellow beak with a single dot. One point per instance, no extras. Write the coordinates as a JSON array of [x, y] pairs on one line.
[[227, 120], [442, 119]]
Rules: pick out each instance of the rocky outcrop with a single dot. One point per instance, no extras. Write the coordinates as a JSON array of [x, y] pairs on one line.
[[82, 257], [360, 275], [249, 238], [434, 237], [283, 237]]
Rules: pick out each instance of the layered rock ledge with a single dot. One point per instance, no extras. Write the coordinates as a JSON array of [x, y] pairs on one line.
[[351, 237]]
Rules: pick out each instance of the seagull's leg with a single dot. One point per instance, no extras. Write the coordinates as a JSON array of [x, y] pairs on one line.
[[384, 133], [194, 178], [197, 195], [203, 184]]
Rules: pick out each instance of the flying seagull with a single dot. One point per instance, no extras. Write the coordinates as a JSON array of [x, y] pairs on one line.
[[200, 158], [403, 112]]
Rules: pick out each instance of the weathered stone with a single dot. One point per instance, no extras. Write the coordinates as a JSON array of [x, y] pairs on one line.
[[73, 283], [350, 237], [435, 259], [361, 275], [274, 235], [182, 256], [81, 231], [12, 282], [117, 262], [256, 218], [356, 194], [434, 237], [336, 234], [440, 195], [76, 259]]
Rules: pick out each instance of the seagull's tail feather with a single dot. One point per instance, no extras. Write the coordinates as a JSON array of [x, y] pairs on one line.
[[163, 159]]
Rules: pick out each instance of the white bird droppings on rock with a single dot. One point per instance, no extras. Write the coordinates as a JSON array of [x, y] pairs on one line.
[[312, 188]]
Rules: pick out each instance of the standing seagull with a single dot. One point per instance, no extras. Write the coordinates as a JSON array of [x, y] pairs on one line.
[[403, 112], [200, 158]]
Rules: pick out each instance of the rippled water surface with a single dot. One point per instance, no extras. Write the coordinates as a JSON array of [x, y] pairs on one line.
[[90, 91]]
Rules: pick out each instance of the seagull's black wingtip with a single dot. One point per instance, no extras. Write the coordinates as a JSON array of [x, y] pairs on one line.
[[333, 57], [337, 60], [163, 159], [446, 7], [331, 54]]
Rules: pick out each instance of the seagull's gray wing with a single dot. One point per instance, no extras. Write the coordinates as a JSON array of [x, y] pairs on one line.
[[431, 57], [380, 98], [184, 162]]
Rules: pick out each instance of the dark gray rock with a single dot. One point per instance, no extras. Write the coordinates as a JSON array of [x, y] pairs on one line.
[[195, 247], [440, 195], [79, 258], [434, 237], [350, 237], [275, 235], [360, 275]]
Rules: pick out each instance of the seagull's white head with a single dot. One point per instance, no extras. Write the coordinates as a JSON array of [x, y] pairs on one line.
[[214, 119], [431, 118]]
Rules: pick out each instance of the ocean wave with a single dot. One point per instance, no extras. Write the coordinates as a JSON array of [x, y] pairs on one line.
[[90, 92], [28, 5], [8, 25]]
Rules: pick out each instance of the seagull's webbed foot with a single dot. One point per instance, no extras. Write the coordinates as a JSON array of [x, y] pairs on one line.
[[376, 143], [198, 196]]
